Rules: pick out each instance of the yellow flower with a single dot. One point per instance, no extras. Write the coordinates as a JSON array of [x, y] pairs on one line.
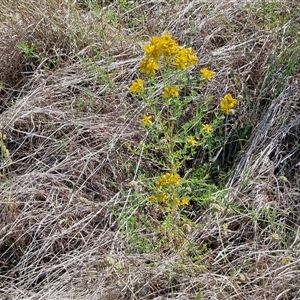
[[161, 46], [153, 199], [171, 91], [227, 103], [169, 47], [166, 47], [207, 128], [162, 197], [146, 120], [137, 86], [185, 58], [192, 59], [191, 141], [180, 63], [168, 179], [148, 66], [149, 50], [207, 74], [184, 201], [176, 202]]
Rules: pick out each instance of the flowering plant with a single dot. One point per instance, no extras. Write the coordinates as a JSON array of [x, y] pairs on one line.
[[174, 138]]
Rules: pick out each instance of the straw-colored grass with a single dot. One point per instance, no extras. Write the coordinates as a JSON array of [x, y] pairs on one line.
[[68, 117]]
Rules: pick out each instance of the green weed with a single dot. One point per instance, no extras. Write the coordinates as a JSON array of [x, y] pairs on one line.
[[176, 138]]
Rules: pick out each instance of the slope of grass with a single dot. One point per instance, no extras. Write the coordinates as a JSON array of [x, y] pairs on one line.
[[76, 174]]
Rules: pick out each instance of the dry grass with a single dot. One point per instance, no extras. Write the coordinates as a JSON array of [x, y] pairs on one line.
[[68, 116]]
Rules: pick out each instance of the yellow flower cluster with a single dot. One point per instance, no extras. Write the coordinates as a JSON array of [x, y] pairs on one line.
[[227, 103], [167, 180], [207, 74], [167, 48], [161, 46], [171, 91], [146, 120], [165, 198], [148, 66], [137, 86], [162, 198], [192, 141], [185, 58], [207, 128]]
